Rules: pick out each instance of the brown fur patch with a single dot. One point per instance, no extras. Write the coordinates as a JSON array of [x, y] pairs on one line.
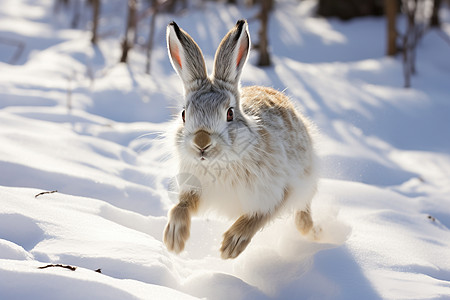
[[272, 104], [265, 96], [189, 200], [303, 221]]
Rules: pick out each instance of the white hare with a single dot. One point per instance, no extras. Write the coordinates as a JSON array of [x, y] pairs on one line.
[[250, 150]]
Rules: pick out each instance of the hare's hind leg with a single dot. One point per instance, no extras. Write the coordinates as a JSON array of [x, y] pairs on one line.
[[305, 224], [237, 238], [240, 234], [303, 220]]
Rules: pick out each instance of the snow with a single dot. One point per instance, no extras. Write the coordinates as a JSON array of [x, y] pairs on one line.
[[75, 121]]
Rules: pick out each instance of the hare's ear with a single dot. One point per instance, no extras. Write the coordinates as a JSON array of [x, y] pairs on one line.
[[232, 54], [186, 57]]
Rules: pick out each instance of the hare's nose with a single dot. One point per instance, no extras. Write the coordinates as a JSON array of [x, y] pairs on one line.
[[202, 140]]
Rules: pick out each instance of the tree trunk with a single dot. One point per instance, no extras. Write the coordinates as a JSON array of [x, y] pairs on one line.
[[76, 14], [151, 35], [95, 16], [264, 57], [348, 9], [435, 21], [171, 5], [409, 41], [130, 31], [391, 8]]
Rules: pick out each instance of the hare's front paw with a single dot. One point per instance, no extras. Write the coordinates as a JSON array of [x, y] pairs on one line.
[[234, 242], [176, 234]]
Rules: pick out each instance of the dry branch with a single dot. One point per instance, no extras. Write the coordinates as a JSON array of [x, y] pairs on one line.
[[43, 193], [59, 266]]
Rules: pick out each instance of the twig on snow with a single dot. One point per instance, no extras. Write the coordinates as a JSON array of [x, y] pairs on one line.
[[43, 193], [59, 266]]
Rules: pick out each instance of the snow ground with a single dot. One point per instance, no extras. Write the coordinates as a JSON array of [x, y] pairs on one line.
[[383, 201]]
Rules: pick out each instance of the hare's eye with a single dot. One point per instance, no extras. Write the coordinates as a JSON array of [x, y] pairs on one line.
[[182, 116], [230, 114]]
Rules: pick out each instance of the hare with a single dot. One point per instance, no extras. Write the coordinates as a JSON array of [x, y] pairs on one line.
[[249, 149]]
